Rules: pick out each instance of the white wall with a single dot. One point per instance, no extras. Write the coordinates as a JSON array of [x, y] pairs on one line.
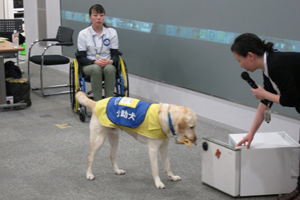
[[30, 21], [53, 21], [207, 106], [32, 26], [6, 9], [2, 10]]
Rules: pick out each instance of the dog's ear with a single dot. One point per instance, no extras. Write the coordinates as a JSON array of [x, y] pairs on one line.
[[182, 124]]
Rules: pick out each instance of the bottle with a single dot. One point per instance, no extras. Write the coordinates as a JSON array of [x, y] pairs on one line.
[[15, 39]]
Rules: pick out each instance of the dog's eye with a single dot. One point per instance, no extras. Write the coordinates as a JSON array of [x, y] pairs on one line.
[[192, 127]]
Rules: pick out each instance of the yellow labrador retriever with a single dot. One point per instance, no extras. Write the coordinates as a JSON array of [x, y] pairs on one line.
[[153, 127]]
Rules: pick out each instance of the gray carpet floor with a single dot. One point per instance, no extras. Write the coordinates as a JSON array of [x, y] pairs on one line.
[[41, 161]]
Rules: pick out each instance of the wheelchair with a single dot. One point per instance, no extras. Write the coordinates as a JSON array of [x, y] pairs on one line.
[[78, 80]]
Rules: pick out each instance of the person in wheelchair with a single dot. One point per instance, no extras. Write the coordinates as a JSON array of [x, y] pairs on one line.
[[97, 47]]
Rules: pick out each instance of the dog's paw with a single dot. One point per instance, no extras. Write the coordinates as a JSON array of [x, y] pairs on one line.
[[160, 185], [120, 172], [175, 178], [90, 177]]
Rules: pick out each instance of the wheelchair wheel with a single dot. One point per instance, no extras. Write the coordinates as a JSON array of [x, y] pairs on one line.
[[74, 85], [82, 114], [124, 81]]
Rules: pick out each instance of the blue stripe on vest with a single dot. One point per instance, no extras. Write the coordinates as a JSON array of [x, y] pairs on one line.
[[126, 116]]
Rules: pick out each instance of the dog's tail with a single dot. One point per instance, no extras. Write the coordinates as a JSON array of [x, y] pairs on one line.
[[84, 100]]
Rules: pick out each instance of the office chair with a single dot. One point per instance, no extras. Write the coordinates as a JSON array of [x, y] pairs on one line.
[[63, 38]]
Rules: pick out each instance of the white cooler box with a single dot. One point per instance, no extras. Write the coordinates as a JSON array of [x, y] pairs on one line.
[[269, 166]]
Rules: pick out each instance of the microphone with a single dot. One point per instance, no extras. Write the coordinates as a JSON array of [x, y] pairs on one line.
[[251, 82], [247, 78]]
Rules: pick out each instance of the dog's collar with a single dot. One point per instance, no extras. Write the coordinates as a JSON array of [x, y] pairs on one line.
[[171, 126]]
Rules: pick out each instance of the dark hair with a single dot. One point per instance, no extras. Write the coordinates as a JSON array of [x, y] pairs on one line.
[[249, 42], [99, 9]]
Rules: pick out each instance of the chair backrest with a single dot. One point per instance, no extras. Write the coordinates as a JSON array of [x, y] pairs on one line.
[[9, 25], [64, 34]]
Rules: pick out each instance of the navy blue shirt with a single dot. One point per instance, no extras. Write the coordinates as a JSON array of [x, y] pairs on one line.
[[284, 70]]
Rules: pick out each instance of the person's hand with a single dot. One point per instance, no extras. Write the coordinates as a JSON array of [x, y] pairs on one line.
[[103, 62], [246, 140], [259, 92]]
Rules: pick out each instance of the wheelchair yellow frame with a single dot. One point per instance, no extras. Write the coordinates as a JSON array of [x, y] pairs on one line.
[[123, 74], [76, 83]]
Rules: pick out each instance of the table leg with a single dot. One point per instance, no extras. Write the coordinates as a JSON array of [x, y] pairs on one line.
[[2, 81]]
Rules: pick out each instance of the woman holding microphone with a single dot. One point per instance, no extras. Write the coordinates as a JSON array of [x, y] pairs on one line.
[[281, 75]]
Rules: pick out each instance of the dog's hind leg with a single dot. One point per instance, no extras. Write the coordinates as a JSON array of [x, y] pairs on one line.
[[97, 138], [165, 160], [113, 138]]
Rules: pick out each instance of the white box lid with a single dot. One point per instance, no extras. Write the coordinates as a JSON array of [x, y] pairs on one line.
[[266, 140]]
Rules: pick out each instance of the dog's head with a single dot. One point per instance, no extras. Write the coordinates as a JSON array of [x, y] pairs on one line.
[[184, 120]]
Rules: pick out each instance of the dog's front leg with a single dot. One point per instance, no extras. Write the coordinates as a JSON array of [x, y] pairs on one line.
[[164, 153], [154, 165]]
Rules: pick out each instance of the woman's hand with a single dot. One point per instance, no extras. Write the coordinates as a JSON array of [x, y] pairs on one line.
[[103, 62], [246, 140], [259, 92]]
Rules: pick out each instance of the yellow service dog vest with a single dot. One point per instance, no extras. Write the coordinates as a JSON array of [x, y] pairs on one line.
[[138, 117]]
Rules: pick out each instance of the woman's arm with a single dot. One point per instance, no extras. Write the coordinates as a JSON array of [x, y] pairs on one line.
[[259, 118], [82, 49], [114, 55], [260, 93], [82, 59]]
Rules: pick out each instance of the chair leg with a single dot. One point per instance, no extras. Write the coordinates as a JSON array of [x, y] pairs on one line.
[[53, 86], [28, 70], [42, 88], [41, 79]]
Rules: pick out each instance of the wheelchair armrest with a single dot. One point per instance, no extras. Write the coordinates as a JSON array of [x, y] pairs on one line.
[[48, 39], [64, 44]]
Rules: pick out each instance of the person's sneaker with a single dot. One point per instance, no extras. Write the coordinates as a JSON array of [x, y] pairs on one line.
[[290, 196]]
